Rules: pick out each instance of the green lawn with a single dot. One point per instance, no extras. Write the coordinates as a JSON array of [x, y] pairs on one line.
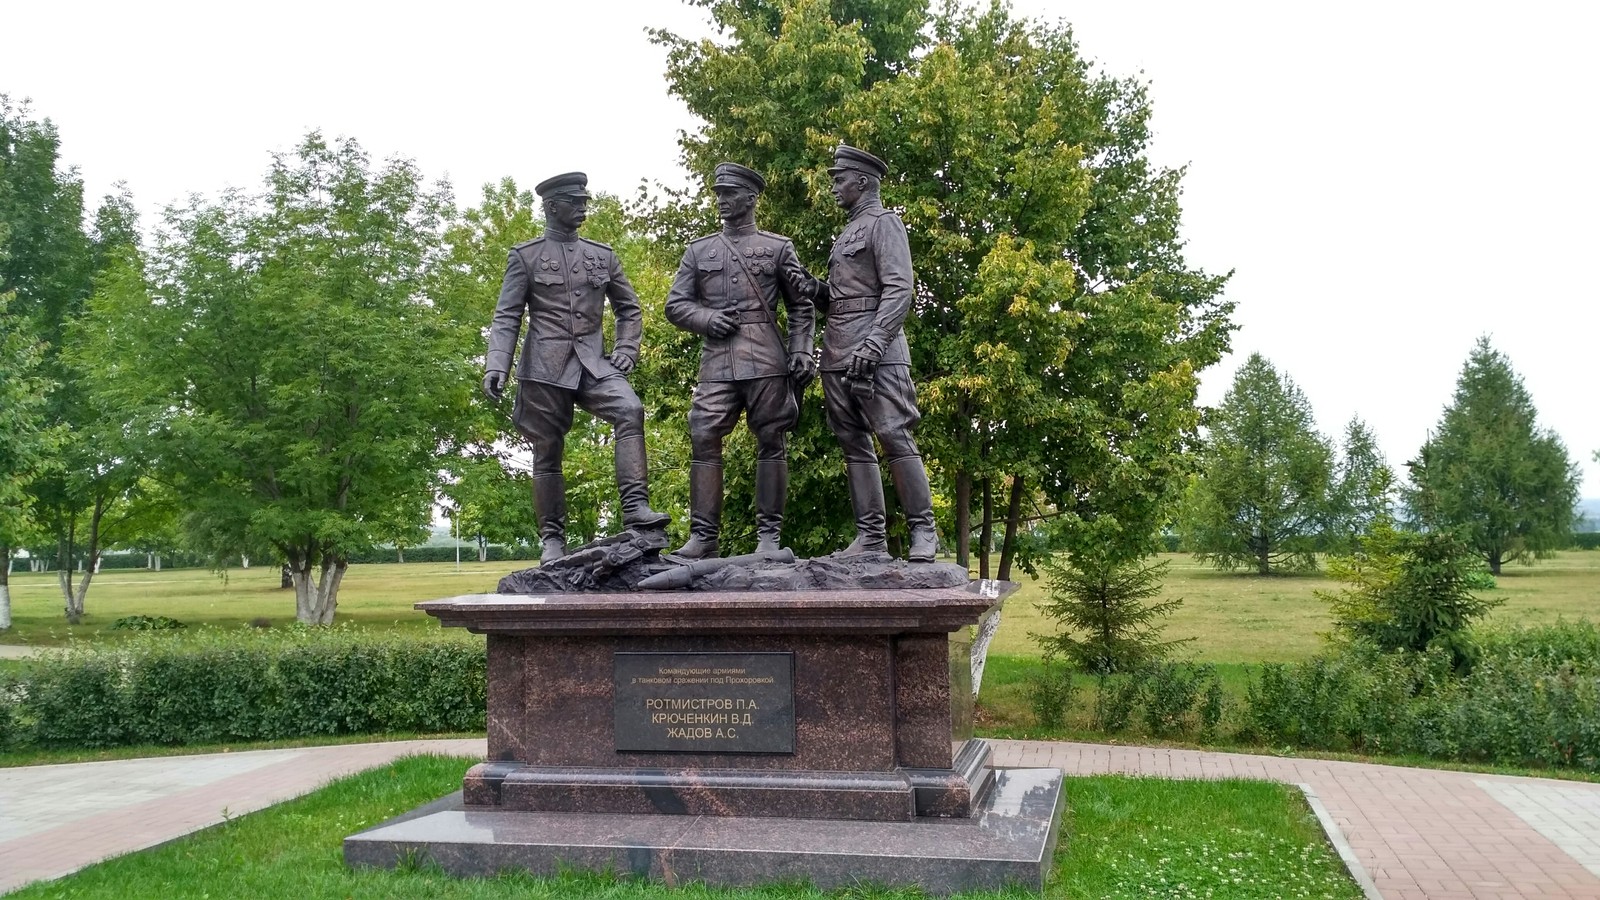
[[378, 596], [1234, 618], [1121, 837], [1239, 618]]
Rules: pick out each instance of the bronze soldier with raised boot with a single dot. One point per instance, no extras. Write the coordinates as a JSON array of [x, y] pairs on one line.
[[727, 290], [561, 283], [866, 365]]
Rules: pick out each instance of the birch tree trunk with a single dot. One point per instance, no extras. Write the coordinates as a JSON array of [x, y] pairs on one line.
[[5, 588]]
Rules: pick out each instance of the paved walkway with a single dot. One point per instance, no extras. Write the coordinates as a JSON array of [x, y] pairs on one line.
[[58, 819], [1410, 833], [18, 651]]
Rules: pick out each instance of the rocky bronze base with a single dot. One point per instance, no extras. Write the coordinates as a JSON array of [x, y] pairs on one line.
[[864, 571], [616, 563], [1010, 840]]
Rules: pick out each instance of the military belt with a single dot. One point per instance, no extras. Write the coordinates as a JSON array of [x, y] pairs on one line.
[[754, 316], [852, 304]]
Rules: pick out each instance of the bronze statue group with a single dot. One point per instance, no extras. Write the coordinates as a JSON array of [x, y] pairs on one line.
[[727, 290]]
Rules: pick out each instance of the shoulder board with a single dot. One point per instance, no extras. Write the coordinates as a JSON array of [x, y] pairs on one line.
[[537, 240], [879, 212], [595, 243], [702, 240], [776, 237]]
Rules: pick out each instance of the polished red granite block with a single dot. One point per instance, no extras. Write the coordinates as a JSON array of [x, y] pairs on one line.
[[874, 720]]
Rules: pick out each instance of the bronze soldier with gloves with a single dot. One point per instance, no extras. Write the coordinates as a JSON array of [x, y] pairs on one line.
[[727, 290], [561, 283], [866, 375]]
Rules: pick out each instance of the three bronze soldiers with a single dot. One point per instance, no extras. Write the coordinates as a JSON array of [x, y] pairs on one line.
[[727, 290]]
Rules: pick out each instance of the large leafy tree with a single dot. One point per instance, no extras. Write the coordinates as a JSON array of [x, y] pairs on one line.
[[27, 439], [49, 262], [1058, 329], [286, 367], [1262, 497], [1490, 473]]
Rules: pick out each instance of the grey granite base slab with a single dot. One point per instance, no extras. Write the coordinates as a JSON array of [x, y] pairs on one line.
[[1011, 840]]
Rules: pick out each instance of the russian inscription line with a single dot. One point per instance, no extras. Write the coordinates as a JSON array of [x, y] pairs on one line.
[[743, 704]]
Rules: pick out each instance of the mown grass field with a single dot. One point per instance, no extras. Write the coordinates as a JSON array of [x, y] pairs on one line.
[[1233, 618], [1121, 837]]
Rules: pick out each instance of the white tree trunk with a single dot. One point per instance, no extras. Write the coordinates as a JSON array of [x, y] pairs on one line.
[[244, 562], [316, 598], [158, 562], [5, 588]]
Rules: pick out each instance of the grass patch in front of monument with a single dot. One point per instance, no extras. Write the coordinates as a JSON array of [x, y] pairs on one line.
[[1123, 837], [1147, 837]]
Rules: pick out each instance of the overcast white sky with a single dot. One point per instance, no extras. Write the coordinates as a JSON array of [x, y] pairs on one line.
[[1390, 180]]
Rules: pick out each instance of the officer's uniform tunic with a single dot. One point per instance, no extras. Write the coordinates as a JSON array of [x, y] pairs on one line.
[[561, 282], [749, 271], [870, 292]]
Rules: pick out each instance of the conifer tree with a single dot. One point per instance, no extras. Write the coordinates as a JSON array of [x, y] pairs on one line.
[[1262, 496], [1489, 473]]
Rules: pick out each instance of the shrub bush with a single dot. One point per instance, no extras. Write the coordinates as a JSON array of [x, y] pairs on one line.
[[146, 623], [1049, 693], [208, 686], [1531, 698]]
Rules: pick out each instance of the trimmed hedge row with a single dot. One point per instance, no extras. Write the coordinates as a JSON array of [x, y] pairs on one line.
[[213, 686]]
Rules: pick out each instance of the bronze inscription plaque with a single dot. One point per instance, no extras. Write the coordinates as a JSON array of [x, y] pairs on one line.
[[704, 702]]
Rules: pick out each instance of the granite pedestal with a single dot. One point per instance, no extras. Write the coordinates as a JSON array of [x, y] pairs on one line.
[[651, 716]]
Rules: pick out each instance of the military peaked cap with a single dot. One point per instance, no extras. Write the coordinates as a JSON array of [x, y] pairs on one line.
[[730, 174], [851, 159], [570, 185]]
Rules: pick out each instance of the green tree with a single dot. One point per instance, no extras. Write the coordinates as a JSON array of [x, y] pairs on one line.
[[1408, 591], [1364, 491], [1102, 605], [1262, 494], [285, 366], [1489, 473], [27, 439], [1058, 329], [49, 262]]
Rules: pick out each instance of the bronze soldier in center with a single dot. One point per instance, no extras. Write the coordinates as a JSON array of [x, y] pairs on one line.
[[727, 290]]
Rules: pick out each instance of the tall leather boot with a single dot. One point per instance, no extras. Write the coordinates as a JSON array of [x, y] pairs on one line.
[[705, 512], [550, 506], [866, 499], [633, 484], [772, 490], [916, 500]]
